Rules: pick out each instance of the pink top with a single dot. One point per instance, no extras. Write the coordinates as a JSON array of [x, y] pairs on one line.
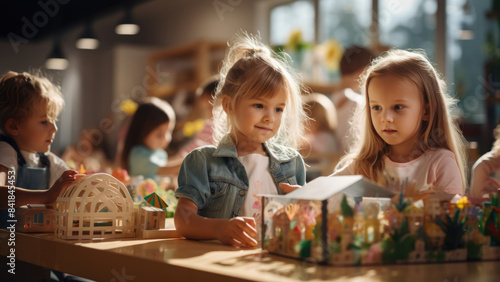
[[435, 167]]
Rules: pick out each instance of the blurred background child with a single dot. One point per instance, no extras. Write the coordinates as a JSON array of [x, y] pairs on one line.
[[29, 106], [354, 61], [87, 153], [148, 136], [199, 123], [321, 151], [486, 171], [258, 118]]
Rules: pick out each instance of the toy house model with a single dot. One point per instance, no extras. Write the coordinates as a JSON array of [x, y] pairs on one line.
[[34, 218], [347, 220], [302, 222], [95, 206]]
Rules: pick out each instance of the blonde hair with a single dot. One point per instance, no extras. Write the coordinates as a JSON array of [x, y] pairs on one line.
[[440, 131], [22, 93], [252, 69]]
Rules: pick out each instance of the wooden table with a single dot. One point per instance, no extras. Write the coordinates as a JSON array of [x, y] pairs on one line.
[[180, 259]]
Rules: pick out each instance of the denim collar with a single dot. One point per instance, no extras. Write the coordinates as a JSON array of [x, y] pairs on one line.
[[277, 153]]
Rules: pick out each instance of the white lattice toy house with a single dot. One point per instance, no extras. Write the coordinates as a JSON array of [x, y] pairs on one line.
[[95, 206]]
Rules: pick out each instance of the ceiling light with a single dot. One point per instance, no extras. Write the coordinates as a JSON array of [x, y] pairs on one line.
[[87, 40], [56, 59], [127, 25]]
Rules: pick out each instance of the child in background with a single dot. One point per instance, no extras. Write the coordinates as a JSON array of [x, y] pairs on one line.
[[87, 153], [148, 136], [405, 128], [29, 106], [203, 109], [486, 171], [257, 114], [354, 61], [320, 152]]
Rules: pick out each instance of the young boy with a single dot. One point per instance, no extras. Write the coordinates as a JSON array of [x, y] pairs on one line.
[[29, 106]]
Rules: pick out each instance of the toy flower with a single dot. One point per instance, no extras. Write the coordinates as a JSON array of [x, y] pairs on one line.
[[295, 41], [147, 187], [192, 127], [331, 53], [462, 203], [128, 106]]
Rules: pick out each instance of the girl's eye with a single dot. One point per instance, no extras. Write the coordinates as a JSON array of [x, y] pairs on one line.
[[45, 122], [376, 108], [258, 106], [279, 110], [398, 107]]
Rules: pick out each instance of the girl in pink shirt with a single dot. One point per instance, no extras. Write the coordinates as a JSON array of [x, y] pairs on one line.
[[404, 128]]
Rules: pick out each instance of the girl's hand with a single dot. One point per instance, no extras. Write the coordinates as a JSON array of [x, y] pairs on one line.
[[63, 182], [287, 188], [238, 232]]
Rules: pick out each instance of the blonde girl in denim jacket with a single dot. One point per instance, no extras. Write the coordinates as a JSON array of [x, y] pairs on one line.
[[258, 123]]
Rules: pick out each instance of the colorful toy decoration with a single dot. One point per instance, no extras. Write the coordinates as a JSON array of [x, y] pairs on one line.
[[347, 220], [155, 200]]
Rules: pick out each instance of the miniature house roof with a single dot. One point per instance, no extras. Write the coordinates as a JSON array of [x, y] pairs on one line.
[[323, 188], [155, 200]]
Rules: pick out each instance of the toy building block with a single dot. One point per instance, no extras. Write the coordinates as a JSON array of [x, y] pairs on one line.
[[151, 219], [95, 206], [35, 218]]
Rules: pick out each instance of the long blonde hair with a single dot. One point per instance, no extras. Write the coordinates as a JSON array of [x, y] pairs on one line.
[[252, 69], [440, 131]]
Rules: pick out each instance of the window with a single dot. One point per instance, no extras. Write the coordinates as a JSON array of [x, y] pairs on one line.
[[341, 19], [408, 24], [298, 15]]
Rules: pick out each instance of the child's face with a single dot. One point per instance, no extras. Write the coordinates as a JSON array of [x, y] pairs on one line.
[[256, 120], [397, 110], [36, 133], [160, 137]]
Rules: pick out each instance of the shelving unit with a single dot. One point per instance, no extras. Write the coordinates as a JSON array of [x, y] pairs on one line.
[[184, 67]]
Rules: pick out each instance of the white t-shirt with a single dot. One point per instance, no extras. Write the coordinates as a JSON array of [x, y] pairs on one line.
[[434, 167], [260, 182], [8, 158]]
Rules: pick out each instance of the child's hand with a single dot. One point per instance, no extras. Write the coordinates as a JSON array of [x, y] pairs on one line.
[[66, 179], [238, 232], [287, 188]]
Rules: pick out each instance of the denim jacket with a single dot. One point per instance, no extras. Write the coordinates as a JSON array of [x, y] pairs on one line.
[[216, 181]]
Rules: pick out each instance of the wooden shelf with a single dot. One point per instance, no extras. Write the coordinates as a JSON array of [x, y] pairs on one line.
[[187, 67]]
